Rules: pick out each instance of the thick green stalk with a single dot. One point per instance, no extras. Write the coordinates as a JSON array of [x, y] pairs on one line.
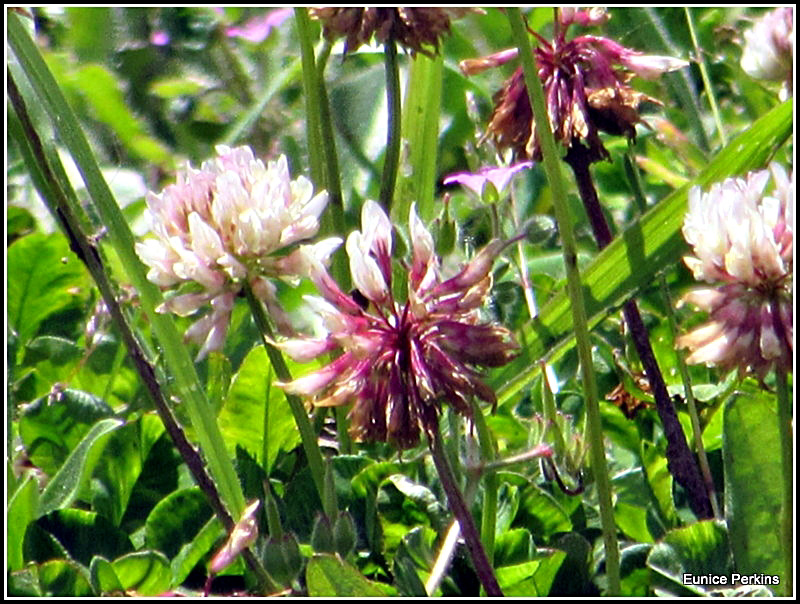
[[307, 435], [489, 510], [187, 385], [392, 157], [552, 167]]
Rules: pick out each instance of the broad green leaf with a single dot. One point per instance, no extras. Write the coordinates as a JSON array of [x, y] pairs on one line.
[[104, 578], [57, 350], [85, 534], [176, 520], [192, 553], [541, 513], [146, 573], [43, 278], [513, 546], [64, 578], [753, 483], [533, 578], [20, 513], [699, 549], [71, 478], [242, 416], [328, 576], [51, 427], [644, 249], [122, 463]]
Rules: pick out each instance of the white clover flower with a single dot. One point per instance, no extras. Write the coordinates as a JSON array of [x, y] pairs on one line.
[[742, 240], [769, 46], [230, 222]]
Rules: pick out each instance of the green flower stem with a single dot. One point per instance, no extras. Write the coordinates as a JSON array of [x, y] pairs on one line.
[[311, 95], [706, 81], [58, 202], [593, 422], [392, 157], [483, 567], [680, 461], [307, 435], [181, 367], [785, 430], [638, 191]]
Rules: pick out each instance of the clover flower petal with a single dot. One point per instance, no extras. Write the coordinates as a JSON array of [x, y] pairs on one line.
[[742, 238], [401, 360]]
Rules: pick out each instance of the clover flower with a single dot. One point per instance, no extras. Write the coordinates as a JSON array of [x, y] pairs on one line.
[[769, 47], [413, 28], [229, 223], [401, 360], [586, 88], [742, 239]]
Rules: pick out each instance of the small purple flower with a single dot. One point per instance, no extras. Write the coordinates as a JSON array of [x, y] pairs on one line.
[[743, 240], [230, 222], [258, 28], [401, 360], [500, 177]]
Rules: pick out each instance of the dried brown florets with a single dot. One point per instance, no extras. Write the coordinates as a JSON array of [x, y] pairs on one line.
[[417, 29]]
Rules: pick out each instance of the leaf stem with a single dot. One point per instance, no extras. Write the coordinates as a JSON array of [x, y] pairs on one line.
[[593, 422], [58, 201]]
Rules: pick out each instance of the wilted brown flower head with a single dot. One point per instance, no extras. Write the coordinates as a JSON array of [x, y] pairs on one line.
[[401, 359], [743, 243], [413, 28], [585, 90]]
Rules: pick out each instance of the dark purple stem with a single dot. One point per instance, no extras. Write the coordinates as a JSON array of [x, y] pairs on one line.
[[680, 461], [483, 567]]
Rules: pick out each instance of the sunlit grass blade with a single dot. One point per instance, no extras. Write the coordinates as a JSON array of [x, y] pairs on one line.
[[186, 383]]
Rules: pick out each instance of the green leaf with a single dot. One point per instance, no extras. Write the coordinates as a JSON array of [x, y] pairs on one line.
[[699, 549], [64, 578], [44, 276], [85, 534], [63, 489], [145, 573], [104, 578], [530, 579], [176, 520], [241, 419], [102, 93], [753, 483], [20, 513], [328, 576], [122, 463], [192, 553], [644, 249]]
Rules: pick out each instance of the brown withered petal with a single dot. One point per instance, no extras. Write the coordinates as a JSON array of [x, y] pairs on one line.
[[414, 28], [585, 81]]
